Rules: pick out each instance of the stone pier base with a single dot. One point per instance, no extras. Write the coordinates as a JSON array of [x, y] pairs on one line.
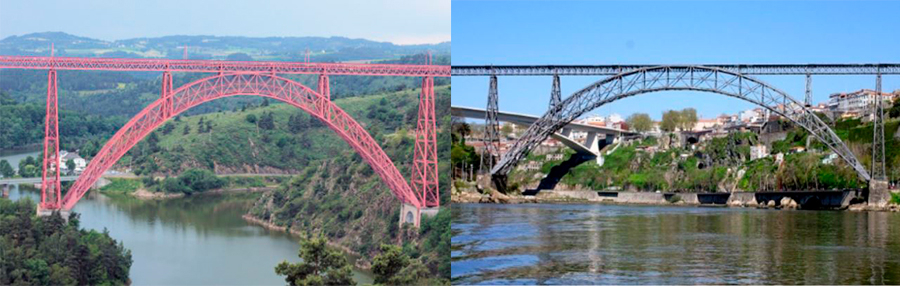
[[47, 212], [879, 195], [410, 214]]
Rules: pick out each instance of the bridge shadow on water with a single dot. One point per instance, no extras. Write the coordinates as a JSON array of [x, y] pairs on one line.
[[557, 172]]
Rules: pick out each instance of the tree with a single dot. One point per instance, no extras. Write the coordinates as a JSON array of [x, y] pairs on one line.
[[320, 266], [393, 267], [387, 264], [265, 102], [670, 120], [640, 122], [168, 128], [894, 112], [187, 130], [238, 57], [70, 164], [506, 129], [251, 118], [688, 119], [267, 121], [6, 169], [463, 129]]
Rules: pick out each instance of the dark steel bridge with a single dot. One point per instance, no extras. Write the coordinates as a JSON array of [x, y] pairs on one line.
[[734, 80]]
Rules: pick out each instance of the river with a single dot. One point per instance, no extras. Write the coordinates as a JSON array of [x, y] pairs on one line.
[[199, 240], [614, 244]]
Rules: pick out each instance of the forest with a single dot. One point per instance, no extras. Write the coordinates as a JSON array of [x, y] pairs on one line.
[[49, 250]]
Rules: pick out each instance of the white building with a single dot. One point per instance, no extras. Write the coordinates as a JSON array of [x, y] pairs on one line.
[[705, 124], [758, 152], [65, 156], [855, 104], [753, 115]]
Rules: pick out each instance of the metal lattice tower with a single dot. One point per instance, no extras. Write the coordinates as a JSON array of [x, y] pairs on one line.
[[878, 166], [808, 90], [50, 186], [491, 125], [555, 94]]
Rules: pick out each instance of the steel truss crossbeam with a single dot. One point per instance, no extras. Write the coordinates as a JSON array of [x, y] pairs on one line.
[[662, 78], [26, 62], [746, 69], [230, 84]]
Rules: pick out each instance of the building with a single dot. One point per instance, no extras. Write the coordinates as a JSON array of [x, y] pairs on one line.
[[758, 152], [855, 104], [755, 115], [65, 156], [705, 124]]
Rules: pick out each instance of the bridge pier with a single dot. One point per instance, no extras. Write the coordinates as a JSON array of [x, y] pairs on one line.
[[413, 215], [42, 212], [879, 195]]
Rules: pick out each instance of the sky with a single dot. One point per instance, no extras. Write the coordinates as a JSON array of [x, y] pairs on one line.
[[672, 32], [396, 21]]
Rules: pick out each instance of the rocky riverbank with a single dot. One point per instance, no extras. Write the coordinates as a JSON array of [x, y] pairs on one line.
[[356, 257], [745, 199]]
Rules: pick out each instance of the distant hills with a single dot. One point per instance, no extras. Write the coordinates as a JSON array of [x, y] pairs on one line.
[[322, 49]]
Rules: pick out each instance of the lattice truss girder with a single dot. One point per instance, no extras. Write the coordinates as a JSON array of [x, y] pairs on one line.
[[610, 70], [224, 85], [695, 78], [65, 63]]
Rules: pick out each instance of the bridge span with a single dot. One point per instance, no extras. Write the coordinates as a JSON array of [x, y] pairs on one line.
[[597, 136]]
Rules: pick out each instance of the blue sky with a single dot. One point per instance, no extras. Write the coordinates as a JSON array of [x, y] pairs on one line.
[[397, 21], [672, 32]]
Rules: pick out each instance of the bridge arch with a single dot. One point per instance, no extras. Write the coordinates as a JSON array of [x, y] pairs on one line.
[[666, 78], [231, 84]]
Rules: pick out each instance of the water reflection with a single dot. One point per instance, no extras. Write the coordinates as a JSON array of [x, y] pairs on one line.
[[199, 240], [584, 244]]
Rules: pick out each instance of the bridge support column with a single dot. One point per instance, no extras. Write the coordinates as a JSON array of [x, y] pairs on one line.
[[166, 94], [424, 177], [325, 91], [411, 214], [879, 195], [591, 142], [491, 124], [555, 93], [50, 186]]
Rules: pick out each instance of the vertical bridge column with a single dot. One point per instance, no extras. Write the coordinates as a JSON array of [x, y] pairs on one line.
[[166, 95], [491, 125], [325, 91], [50, 185], [555, 93], [425, 174], [808, 90], [878, 185]]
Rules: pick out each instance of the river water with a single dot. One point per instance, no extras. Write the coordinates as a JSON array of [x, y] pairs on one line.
[[199, 240], [611, 244]]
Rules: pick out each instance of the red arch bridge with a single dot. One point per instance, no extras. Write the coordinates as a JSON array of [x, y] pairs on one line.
[[734, 80], [244, 78]]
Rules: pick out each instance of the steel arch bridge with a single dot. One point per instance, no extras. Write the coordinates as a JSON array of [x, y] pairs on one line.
[[243, 78], [628, 81]]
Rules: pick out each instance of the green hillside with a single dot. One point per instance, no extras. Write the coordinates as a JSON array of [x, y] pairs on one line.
[[335, 191]]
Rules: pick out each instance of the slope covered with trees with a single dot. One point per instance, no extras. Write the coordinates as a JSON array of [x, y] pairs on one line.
[[49, 251]]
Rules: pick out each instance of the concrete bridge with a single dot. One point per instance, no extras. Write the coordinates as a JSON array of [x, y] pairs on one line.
[[597, 136], [19, 181]]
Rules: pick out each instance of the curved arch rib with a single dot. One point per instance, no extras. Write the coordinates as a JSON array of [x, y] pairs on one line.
[[225, 85], [662, 78]]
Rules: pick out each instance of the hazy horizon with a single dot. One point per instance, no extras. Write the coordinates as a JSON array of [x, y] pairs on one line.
[[402, 22]]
